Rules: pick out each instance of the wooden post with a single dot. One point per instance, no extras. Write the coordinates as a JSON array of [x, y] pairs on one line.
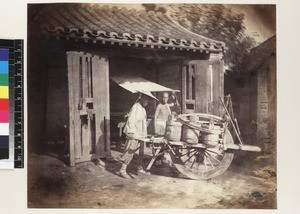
[[183, 89], [202, 86], [85, 119], [217, 84], [190, 71], [221, 86], [71, 109]]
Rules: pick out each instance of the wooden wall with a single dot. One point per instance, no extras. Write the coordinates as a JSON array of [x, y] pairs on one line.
[[209, 86], [170, 75]]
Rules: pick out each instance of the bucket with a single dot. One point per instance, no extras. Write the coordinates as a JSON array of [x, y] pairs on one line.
[[173, 130], [210, 140], [160, 127], [190, 135]]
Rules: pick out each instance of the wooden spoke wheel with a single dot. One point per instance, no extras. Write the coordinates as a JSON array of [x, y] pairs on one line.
[[203, 163]]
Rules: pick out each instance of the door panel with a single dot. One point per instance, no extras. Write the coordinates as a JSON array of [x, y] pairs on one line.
[[188, 88], [88, 99], [100, 87], [202, 84]]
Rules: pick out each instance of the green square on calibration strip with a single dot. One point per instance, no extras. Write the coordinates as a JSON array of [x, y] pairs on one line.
[[4, 79]]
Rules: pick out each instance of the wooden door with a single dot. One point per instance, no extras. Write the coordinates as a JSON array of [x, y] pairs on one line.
[[88, 107], [188, 88], [202, 84]]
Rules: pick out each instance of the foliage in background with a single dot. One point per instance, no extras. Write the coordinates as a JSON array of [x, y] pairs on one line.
[[216, 22]]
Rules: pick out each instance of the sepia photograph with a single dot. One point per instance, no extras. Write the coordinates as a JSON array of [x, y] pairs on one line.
[[142, 106]]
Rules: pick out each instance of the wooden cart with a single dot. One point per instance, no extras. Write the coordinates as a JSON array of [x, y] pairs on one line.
[[201, 160]]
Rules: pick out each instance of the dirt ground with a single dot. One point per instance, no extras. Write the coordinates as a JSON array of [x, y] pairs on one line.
[[250, 182]]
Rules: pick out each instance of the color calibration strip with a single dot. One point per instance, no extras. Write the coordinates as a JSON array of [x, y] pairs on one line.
[[11, 104], [18, 103], [4, 103]]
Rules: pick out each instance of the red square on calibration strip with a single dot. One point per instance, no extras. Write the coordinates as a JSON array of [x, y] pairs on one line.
[[4, 104]]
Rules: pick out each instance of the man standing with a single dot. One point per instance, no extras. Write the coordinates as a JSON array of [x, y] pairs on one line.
[[161, 115], [135, 129]]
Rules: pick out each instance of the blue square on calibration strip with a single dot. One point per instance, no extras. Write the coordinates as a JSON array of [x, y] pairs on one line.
[[3, 67], [3, 54]]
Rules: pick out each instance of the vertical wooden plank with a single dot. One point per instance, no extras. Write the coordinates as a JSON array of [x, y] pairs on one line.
[[190, 82], [97, 104], [218, 87], [183, 89], [201, 79], [71, 109], [77, 121], [101, 105], [215, 88], [90, 84], [85, 119], [209, 91], [221, 87], [105, 100]]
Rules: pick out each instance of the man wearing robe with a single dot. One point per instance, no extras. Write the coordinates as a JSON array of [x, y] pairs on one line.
[[135, 129]]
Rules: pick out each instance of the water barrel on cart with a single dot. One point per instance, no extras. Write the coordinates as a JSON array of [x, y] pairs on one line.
[[173, 130], [211, 137], [189, 134]]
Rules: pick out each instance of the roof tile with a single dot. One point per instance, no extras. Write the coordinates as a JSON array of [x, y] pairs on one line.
[[95, 21]]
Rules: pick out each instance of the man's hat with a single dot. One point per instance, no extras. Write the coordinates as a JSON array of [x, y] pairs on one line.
[[147, 93]]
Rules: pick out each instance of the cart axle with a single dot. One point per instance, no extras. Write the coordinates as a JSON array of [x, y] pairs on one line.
[[244, 147]]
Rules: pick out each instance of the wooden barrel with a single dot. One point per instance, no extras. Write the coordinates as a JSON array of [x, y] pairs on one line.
[[190, 135], [210, 140], [173, 130]]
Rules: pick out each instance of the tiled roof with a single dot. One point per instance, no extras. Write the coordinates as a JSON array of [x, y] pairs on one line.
[[108, 24]]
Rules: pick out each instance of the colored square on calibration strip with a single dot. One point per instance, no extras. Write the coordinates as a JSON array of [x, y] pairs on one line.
[[4, 68], [3, 92], [4, 116], [4, 104], [4, 142], [4, 54]]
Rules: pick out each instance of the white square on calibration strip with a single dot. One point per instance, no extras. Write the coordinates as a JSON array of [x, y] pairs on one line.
[[4, 128]]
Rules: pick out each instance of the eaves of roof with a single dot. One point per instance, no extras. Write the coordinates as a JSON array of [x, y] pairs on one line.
[[114, 25]]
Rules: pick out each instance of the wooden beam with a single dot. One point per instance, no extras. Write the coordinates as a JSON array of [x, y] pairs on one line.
[[183, 88], [190, 70], [97, 104], [71, 109], [76, 91], [218, 87], [85, 143], [106, 103], [221, 86], [201, 85]]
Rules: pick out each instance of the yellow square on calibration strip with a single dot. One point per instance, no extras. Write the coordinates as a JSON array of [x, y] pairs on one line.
[[4, 92]]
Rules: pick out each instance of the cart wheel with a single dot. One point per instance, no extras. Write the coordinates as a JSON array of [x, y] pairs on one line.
[[203, 164]]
